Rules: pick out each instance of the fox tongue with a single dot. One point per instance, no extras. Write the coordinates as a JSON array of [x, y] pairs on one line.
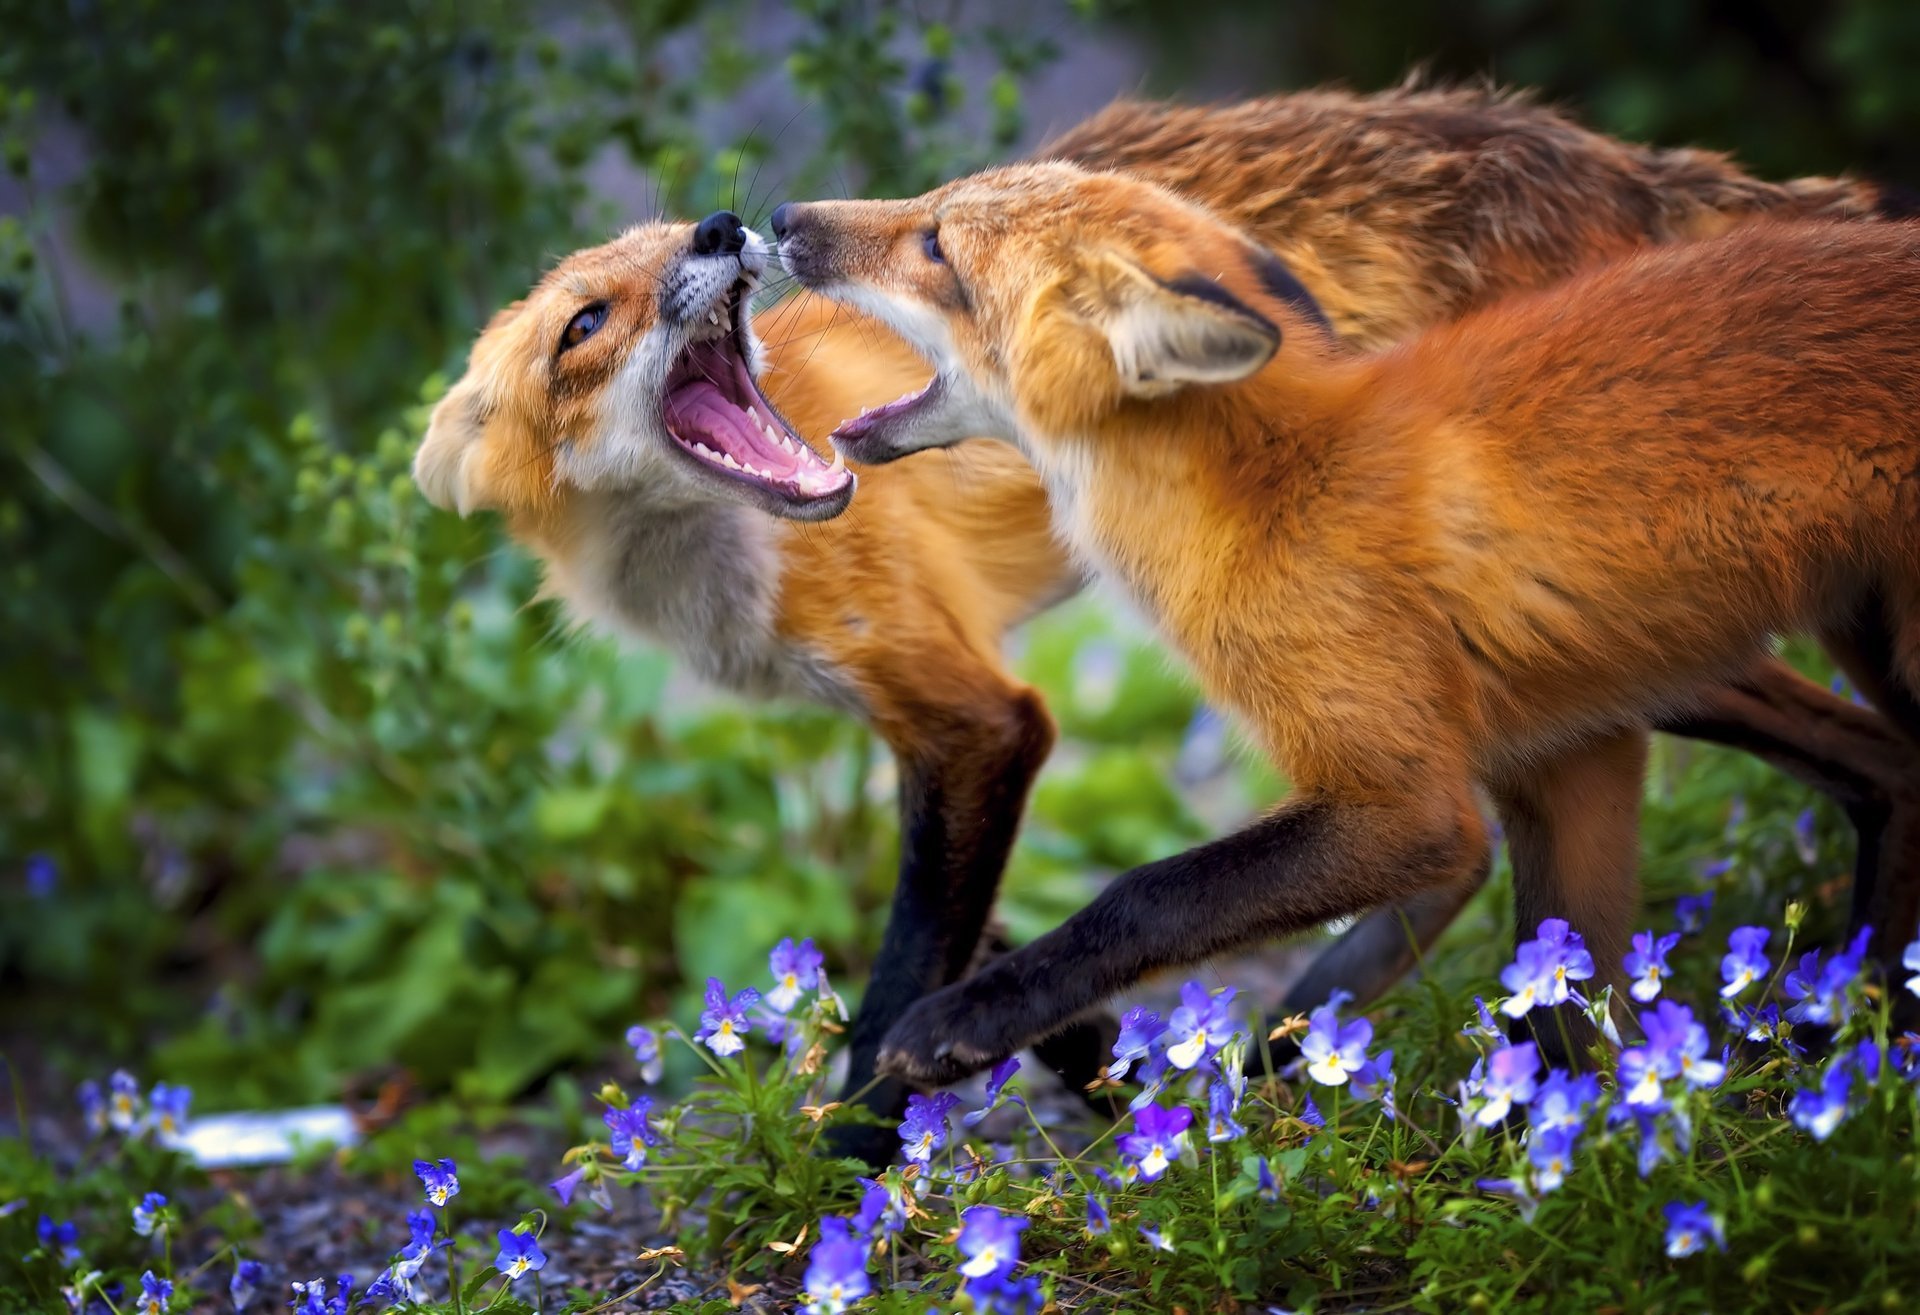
[[698, 411]]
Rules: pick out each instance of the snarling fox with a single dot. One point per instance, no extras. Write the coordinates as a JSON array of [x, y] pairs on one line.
[[1482, 560], [1394, 210]]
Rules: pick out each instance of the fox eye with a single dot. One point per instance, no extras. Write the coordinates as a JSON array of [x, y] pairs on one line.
[[583, 326], [930, 243]]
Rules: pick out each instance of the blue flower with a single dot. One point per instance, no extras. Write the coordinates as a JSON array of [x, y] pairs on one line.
[[1820, 991], [1005, 1295], [167, 1108], [1264, 1183], [1744, 964], [795, 968], [1509, 1081], [311, 1298], [1551, 1156], [249, 1276], [1155, 1238], [1159, 1135], [1910, 958], [1483, 1027], [1690, 1228], [723, 1022], [60, 1239], [646, 1052], [123, 1101], [996, 1083], [567, 1184], [632, 1134], [1335, 1052], [1200, 1026], [1759, 1023], [1515, 1190], [1691, 911], [1646, 963], [836, 1269], [989, 1240], [1140, 1028], [925, 1128], [1373, 1080], [149, 1214], [1098, 1225], [442, 1180], [1820, 1110], [43, 874], [1310, 1114], [1220, 1110], [1563, 1102], [93, 1106], [155, 1293], [1659, 1137], [519, 1253]]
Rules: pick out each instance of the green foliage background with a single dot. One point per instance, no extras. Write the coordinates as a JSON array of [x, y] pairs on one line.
[[326, 795]]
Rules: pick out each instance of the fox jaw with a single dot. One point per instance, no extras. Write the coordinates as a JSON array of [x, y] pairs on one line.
[[1046, 298], [631, 368]]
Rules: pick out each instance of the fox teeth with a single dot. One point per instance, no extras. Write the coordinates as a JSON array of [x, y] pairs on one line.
[[839, 462], [705, 451], [726, 459]]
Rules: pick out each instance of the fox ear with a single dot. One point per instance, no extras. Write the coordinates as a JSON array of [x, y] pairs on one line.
[[1165, 335]]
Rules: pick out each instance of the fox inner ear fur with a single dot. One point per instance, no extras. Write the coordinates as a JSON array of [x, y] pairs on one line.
[[1165, 335]]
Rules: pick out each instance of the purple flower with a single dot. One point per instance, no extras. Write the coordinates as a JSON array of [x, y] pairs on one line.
[[836, 1269], [796, 969], [1542, 968], [1373, 1080], [167, 1108], [567, 1184], [441, 1181], [1310, 1114], [43, 874], [1646, 963], [1820, 1110], [60, 1239], [1157, 1239], [1690, 1228], [1264, 1184], [1803, 837], [249, 1276], [996, 1083], [1159, 1135], [1563, 1102], [123, 1100], [883, 1209], [1483, 1027], [155, 1293], [1551, 1156], [1681, 1043], [1200, 1026], [1516, 1191], [1140, 1028], [1098, 1225], [646, 1051], [149, 1214], [1005, 1295], [1655, 1142], [1691, 911], [1334, 1052], [93, 1106], [1910, 958], [924, 1130], [1220, 1110], [1509, 1081], [989, 1241], [723, 1022], [632, 1134], [1743, 964], [519, 1253]]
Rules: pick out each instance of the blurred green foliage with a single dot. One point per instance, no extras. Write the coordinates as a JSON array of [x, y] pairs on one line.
[[325, 794]]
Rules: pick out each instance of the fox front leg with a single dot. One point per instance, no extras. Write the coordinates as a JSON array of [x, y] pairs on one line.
[[1314, 859]]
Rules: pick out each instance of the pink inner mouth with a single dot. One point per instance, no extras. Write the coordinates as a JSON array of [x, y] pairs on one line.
[[856, 428], [715, 410]]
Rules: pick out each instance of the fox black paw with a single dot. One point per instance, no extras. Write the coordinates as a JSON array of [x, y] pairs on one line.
[[944, 1037]]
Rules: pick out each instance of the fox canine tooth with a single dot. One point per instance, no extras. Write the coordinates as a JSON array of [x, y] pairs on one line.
[[839, 462], [726, 459]]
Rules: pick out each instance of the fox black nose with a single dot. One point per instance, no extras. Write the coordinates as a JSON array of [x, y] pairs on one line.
[[782, 217], [719, 232]]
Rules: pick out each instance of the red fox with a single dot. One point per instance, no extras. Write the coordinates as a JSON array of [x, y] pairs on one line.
[[1395, 210], [1480, 559]]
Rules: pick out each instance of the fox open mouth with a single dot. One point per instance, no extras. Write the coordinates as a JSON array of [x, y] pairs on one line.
[[861, 431], [717, 414]]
